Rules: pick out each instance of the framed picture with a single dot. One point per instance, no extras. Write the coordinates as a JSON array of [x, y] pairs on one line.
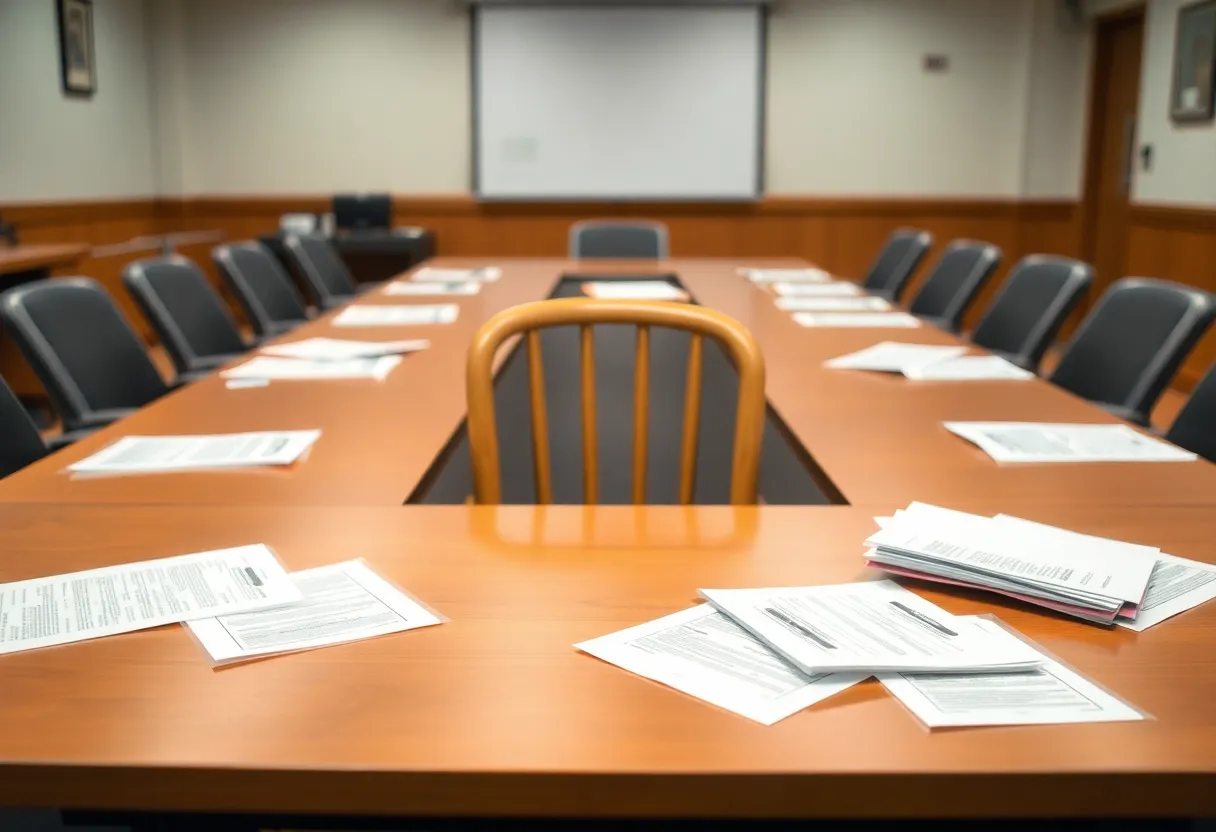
[[1193, 95], [76, 47]]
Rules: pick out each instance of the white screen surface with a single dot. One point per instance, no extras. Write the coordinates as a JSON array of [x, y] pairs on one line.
[[618, 102]]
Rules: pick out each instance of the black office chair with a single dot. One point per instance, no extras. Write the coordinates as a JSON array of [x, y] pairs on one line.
[[91, 363], [639, 239], [1030, 307], [20, 442], [262, 287], [323, 270], [959, 275], [188, 316], [897, 262], [1194, 427], [1132, 342]]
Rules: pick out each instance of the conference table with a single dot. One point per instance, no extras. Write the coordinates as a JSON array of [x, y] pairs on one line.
[[494, 714]]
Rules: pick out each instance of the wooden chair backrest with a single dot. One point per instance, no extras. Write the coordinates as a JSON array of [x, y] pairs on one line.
[[530, 318]]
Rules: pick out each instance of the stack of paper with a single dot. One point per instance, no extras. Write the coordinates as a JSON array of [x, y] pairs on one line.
[[152, 454], [1044, 442], [856, 319], [867, 627], [390, 315], [786, 275], [336, 349], [274, 368], [415, 287], [633, 290], [830, 304], [929, 363], [437, 275], [1087, 577], [817, 290]]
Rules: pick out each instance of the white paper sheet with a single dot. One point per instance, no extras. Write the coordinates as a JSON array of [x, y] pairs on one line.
[[867, 627], [1051, 694], [120, 599], [274, 368], [135, 454], [842, 304], [340, 603], [856, 319], [245, 383], [396, 315], [337, 349], [705, 654], [633, 290], [894, 357], [840, 288], [1047, 442], [439, 275], [428, 288], [786, 275], [969, 368], [1176, 586]]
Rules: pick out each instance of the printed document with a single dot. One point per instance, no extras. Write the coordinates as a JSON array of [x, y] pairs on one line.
[[1051, 694], [337, 349], [786, 275], [440, 275], [856, 319], [415, 287], [840, 288], [894, 357], [120, 599], [705, 654], [274, 368], [1016, 557], [134, 454], [845, 304], [1177, 585], [389, 315], [867, 627], [1043, 442], [340, 603], [969, 368], [633, 290]]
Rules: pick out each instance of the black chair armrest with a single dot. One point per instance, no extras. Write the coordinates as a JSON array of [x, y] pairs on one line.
[[56, 443], [95, 419], [1127, 414]]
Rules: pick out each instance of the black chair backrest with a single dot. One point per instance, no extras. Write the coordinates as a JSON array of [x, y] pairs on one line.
[[361, 211], [261, 285], [1132, 343], [188, 315], [322, 268], [616, 239], [957, 277], [1031, 306], [1194, 427], [20, 442], [81, 347], [897, 262]]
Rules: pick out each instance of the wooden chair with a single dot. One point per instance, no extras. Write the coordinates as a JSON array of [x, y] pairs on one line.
[[530, 318]]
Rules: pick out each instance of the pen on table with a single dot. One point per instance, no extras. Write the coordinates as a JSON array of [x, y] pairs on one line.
[[798, 628], [922, 618]]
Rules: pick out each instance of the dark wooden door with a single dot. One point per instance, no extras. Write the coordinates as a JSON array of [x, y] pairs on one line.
[[1113, 143]]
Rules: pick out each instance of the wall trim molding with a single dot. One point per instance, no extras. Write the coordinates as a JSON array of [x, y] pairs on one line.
[[1162, 215]]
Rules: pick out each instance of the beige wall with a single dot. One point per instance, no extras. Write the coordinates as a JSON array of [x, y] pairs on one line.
[[1184, 156], [55, 147]]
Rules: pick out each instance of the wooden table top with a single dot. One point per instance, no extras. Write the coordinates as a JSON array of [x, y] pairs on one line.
[[26, 258], [877, 437], [494, 713]]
